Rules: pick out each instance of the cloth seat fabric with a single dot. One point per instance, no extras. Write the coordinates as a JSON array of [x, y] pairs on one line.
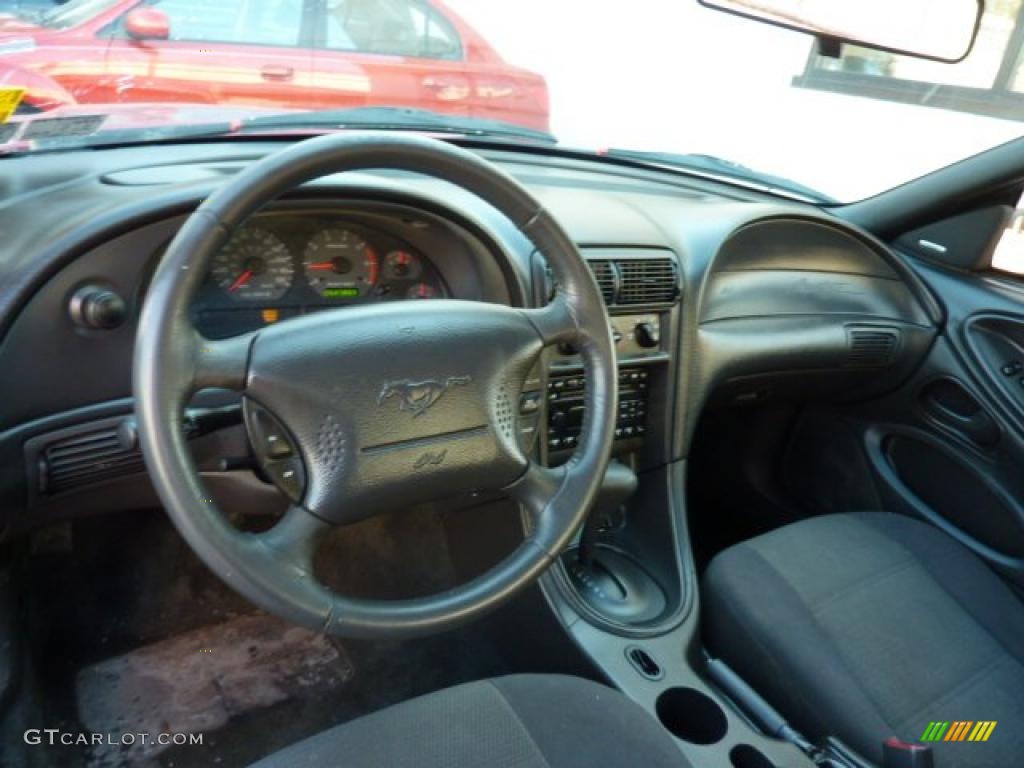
[[871, 625], [520, 721]]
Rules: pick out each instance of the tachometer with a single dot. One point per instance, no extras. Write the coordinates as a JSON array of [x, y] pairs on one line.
[[340, 264], [254, 265]]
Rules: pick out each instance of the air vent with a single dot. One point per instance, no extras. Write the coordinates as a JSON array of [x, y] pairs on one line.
[[604, 274], [871, 347], [647, 281], [84, 458]]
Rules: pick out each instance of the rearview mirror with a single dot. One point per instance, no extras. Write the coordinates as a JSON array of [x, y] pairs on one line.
[[930, 29], [147, 24]]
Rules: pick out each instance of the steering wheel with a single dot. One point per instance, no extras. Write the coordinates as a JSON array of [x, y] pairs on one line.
[[360, 410]]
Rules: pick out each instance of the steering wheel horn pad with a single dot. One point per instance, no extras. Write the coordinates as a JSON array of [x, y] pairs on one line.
[[381, 406], [398, 403]]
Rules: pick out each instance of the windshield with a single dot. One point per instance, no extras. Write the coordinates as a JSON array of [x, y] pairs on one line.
[[652, 81], [72, 13]]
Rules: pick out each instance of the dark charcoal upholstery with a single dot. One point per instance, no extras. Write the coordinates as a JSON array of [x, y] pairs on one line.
[[522, 721], [872, 625]]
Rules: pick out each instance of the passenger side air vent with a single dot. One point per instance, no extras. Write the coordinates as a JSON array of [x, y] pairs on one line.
[[604, 274], [647, 281], [84, 458], [871, 347]]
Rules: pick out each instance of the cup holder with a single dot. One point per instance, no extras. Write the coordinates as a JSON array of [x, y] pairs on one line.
[[691, 716], [745, 756]]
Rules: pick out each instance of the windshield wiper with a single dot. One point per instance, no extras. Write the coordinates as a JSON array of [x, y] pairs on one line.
[[719, 166], [398, 119], [84, 131]]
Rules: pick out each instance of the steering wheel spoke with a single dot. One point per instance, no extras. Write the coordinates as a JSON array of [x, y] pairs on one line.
[[541, 491], [221, 363], [293, 540], [556, 323]]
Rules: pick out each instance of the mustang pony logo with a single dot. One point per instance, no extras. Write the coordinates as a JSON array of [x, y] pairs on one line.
[[419, 396]]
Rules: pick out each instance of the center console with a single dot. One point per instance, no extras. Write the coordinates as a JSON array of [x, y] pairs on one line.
[[625, 590], [622, 572]]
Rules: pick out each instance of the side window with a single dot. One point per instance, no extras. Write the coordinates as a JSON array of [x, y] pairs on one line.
[[200, 21], [390, 27], [439, 38], [253, 22], [1009, 255], [272, 22]]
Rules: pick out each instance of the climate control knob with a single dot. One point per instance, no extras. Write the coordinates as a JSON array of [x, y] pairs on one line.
[[647, 335]]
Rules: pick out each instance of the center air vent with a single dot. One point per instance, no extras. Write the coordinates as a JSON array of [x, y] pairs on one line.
[[604, 274], [647, 281], [871, 347], [86, 457], [635, 280]]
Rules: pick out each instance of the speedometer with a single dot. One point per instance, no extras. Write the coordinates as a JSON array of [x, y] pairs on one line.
[[254, 265], [340, 264]]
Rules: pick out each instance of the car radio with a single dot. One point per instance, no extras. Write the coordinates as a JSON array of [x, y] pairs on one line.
[[565, 407]]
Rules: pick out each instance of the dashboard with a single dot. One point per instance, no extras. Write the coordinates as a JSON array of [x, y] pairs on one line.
[[715, 297], [282, 265]]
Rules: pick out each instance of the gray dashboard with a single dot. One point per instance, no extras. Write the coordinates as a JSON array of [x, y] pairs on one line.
[[770, 290]]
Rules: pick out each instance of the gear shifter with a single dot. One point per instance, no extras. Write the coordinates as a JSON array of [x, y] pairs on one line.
[[619, 484], [611, 582]]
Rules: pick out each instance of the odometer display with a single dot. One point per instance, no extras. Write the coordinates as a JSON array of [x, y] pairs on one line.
[[340, 293], [254, 265]]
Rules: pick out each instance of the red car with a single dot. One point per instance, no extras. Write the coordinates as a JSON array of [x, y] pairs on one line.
[[308, 54]]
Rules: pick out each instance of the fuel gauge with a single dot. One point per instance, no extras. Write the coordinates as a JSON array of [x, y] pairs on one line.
[[402, 265]]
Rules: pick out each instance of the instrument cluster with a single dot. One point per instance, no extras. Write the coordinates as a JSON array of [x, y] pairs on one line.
[[281, 266]]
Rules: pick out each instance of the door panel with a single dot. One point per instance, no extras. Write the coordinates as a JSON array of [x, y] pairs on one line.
[[963, 469], [949, 404], [996, 343], [948, 445], [922, 474]]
